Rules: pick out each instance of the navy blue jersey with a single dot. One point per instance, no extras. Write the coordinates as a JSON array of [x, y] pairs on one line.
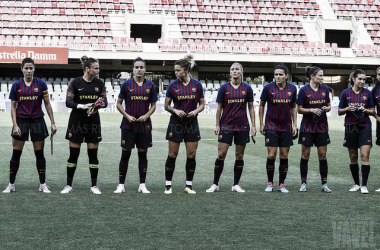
[[310, 99], [137, 101], [185, 98], [279, 103], [376, 100], [234, 116], [363, 99], [29, 98]]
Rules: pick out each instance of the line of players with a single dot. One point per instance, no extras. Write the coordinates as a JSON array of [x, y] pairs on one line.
[[87, 93]]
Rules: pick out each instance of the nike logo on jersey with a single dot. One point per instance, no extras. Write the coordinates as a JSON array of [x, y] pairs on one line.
[[308, 95], [273, 93], [177, 90], [80, 89], [131, 90], [227, 93], [348, 98], [377, 97]]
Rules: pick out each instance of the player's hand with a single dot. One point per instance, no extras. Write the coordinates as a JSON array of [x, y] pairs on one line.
[[53, 129], [16, 130], [361, 108], [142, 118], [130, 118], [325, 109], [87, 106], [262, 131], [253, 131], [294, 130], [316, 111], [192, 114], [217, 130], [350, 108], [180, 113]]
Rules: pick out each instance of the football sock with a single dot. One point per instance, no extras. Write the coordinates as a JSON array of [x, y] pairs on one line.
[[190, 170], [41, 165], [365, 172], [283, 169], [143, 166], [169, 170], [93, 165], [323, 170], [123, 165], [14, 165], [238, 170], [303, 170], [270, 169], [72, 164], [355, 173], [219, 165]]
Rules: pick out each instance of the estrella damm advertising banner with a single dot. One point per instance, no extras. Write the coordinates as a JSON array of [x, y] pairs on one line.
[[38, 54]]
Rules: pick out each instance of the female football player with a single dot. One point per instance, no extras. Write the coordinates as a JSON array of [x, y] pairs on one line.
[[357, 104], [188, 98], [280, 123], [26, 98], [233, 99], [85, 95], [140, 103], [313, 103]]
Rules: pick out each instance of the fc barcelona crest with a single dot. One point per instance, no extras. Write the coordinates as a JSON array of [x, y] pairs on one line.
[[243, 92], [170, 134], [96, 89], [35, 89], [194, 90], [70, 135], [364, 98], [148, 91], [323, 94], [303, 138], [289, 93], [220, 136], [123, 142], [267, 140]]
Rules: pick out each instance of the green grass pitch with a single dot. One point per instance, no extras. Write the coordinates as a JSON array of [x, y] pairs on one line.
[[223, 220]]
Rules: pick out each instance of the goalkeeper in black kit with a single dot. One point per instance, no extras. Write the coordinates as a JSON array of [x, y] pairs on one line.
[[85, 95]]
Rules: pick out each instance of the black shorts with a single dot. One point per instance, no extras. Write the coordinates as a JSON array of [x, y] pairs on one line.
[[179, 131], [316, 139], [377, 138], [239, 137], [355, 136], [84, 130], [278, 138], [129, 139], [35, 126]]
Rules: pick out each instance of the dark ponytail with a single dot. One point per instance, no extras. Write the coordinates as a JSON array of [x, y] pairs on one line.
[[355, 74], [87, 61], [311, 71]]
